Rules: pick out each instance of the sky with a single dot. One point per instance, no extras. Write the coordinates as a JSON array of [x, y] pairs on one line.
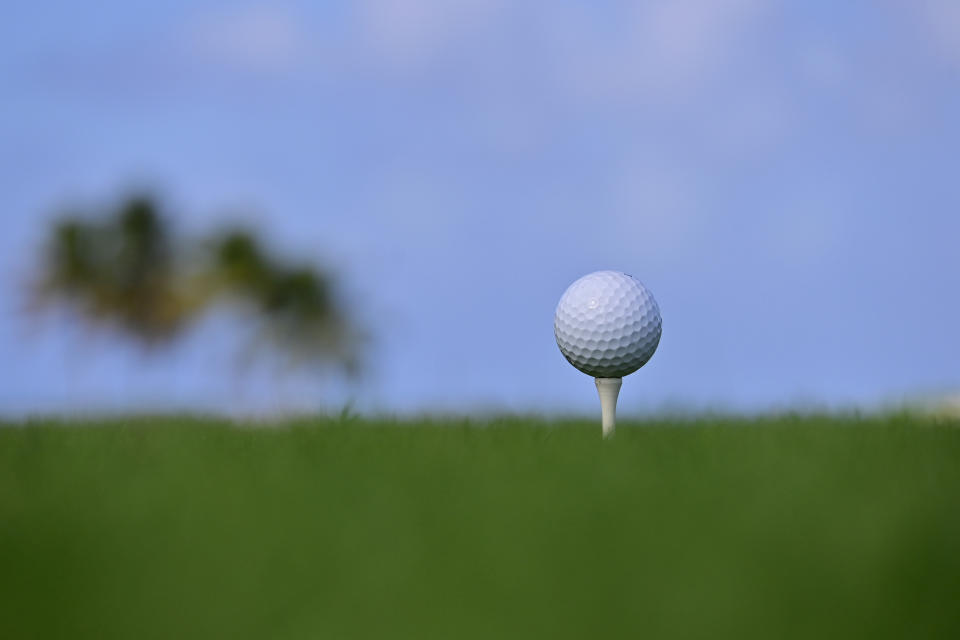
[[783, 176]]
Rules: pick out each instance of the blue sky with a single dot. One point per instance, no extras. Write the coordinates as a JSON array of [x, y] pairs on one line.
[[783, 177]]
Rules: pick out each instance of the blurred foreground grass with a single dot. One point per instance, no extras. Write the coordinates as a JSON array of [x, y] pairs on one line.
[[771, 528]]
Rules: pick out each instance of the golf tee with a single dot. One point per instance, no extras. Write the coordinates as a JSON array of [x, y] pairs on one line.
[[609, 389]]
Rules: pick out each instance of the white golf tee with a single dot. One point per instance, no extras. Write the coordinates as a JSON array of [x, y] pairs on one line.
[[609, 389]]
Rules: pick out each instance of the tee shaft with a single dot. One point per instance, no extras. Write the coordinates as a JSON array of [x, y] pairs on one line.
[[609, 389]]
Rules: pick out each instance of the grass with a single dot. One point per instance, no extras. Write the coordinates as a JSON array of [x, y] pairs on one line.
[[793, 527]]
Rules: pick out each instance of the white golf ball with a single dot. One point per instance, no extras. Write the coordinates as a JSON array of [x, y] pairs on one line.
[[607, 324]]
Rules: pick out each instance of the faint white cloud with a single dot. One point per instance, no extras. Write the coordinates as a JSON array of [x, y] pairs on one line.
[[684, 37], [404, 33], [942, 19], [263, 38], [614, 51], [655, 47]]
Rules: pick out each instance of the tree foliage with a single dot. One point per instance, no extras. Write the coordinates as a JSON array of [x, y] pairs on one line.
[[128, 269]]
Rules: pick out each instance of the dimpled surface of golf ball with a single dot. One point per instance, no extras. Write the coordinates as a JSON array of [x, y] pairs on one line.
[[607, 324]]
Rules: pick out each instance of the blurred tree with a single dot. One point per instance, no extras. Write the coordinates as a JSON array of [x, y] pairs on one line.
[[297, 305], [128, 269], [120, 270]]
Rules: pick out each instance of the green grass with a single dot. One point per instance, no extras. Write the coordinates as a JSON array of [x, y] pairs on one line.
[[787, 527]]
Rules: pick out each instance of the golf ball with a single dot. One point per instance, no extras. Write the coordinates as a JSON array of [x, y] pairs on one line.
[[607, 324]]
